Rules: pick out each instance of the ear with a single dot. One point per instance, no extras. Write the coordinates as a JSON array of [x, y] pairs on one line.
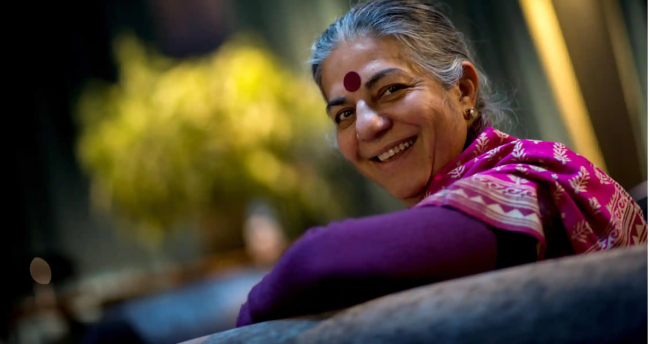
[[468, 87]]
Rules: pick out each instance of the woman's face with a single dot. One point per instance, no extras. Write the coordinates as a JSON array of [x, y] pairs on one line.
[[400, 126]]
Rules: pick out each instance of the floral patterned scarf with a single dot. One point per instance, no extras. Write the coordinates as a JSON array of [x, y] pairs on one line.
[[542, 189]]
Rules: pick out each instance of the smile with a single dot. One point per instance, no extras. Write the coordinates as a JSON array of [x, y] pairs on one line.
[[394, 152]]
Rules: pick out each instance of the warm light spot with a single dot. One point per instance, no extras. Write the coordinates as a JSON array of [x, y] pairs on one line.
[[547, 35], [40, 271]]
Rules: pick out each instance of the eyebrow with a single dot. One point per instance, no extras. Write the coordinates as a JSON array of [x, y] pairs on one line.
[[378, 76], [335, 102], [369, 84]]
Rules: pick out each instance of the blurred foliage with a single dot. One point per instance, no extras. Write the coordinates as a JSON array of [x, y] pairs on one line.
[[196, 139]]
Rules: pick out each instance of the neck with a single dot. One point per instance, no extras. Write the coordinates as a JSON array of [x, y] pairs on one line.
[[409, 202]]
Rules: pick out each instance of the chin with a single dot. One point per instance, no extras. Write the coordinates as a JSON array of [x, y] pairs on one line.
[[407, 191]]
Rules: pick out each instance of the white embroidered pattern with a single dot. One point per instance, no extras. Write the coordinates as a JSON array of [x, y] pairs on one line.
[[517, 180], [604, 179], [457, 172], [610, 240], [501, 135], [491, 153], [579, 182], [626, 218], [595, 206], [489, 194], [617, 207], [521, 168], [554, 176], [518, 152], [481, 144], [581, 230], [537, 168], [559, 153]]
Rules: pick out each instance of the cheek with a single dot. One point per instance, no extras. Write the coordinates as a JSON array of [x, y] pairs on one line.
[[427, 111], [450, 136]]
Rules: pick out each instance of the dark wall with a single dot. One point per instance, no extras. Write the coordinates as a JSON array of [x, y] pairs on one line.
[[55, 47]]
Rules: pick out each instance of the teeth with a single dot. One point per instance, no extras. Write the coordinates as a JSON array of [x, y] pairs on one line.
[[395, 150]]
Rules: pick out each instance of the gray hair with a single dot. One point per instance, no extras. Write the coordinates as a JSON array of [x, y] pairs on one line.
[[429, 38]]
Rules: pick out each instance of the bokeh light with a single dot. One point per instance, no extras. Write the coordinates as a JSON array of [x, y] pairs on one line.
[[40, 271]]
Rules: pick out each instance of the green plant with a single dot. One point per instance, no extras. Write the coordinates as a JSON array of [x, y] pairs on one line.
[[176, 141]]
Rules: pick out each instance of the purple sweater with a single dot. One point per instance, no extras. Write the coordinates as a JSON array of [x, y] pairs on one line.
[[352, 261]]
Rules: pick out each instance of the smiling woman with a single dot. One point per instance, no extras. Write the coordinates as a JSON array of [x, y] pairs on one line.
[[418, 123], [395, 106]]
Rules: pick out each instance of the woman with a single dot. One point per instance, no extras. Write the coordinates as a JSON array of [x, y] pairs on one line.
[[412, 114]]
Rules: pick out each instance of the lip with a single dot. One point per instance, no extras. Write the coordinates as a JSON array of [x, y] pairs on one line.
[[391, 145], [391, 166]]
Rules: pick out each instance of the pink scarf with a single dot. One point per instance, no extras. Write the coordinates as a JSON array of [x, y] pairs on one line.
[[542, 189]]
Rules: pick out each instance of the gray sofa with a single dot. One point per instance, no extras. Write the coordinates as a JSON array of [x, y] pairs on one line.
[[596, 298]]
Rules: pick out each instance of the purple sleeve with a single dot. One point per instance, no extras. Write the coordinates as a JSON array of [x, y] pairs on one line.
[[244, 317], [353, 261]]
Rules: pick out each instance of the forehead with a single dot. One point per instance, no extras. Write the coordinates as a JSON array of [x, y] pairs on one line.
[[365, 56]]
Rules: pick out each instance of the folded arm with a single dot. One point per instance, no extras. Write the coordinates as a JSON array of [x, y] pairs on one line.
[[353, 261]]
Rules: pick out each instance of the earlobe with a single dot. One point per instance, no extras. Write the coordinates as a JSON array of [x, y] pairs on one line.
[[471, 115]]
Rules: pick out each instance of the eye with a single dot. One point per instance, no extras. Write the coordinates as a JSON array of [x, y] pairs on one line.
[[390, 90], [343, 115]]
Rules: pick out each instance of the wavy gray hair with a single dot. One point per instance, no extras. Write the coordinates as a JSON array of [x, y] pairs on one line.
[[428, 37]]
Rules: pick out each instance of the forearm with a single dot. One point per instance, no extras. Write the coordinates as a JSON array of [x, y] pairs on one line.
[[355, 260], [433, 242]]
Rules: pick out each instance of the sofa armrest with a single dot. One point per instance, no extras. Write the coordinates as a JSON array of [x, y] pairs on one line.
[[595, 298]]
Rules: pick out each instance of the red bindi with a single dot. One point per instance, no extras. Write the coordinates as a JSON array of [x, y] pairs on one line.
[[352, 81]]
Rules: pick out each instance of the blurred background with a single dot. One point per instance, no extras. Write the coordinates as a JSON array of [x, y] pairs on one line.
[[167, 151]]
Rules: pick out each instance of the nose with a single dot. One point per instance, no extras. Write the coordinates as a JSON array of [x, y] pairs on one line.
[[369, 123]]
